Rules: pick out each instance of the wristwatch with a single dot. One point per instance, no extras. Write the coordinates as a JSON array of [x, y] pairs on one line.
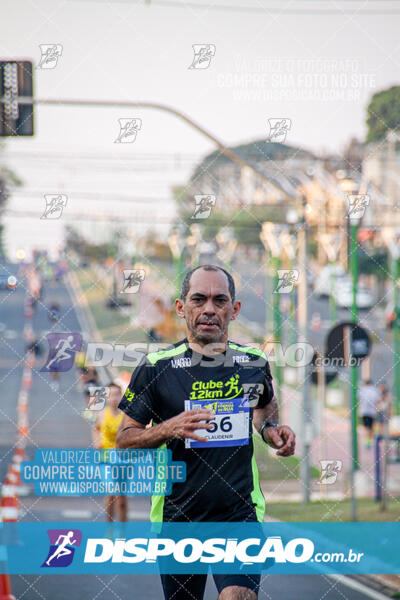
[[267, 424]]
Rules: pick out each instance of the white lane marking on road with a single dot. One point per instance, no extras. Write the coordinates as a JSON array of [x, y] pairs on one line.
[[10, 334], [72, 513], [359, 587]]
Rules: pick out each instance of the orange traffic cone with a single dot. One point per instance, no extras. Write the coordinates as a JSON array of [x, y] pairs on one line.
[[11, 477], [9, 504], [28, 310], [15, 470], [23, 425], [22, 398], [27, 377], [30, 360], [14, 478], [5, 587], [19, 454]]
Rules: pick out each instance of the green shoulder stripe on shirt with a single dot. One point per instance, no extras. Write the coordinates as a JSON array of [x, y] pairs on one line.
[[249, 349], [256, 495], [157, 502], [153, 357]]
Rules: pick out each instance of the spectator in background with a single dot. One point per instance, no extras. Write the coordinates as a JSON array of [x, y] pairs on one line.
[[368, 398], [88, 376], [89, 379], [384, 407], [104, 435], [54, 312]]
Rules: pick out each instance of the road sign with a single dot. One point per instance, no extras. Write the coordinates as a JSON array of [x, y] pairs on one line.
[[346, 343], [330, 372], [16, 85]]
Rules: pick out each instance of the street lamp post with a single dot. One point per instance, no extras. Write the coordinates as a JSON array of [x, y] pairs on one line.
[[331, 243], [307, 417], [354, 223], [289, 240], [300, 220], [271, 237], [396, 341], [356, 204]]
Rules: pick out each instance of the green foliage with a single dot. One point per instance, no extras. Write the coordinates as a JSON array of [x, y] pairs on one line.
[[246, 223], [313, 247], [94, 252], [374, 262], [383, 113]]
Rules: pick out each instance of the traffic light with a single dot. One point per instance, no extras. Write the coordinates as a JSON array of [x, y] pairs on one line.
[[16, 98]]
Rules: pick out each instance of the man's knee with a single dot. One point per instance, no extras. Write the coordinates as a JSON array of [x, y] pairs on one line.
[[236, 592]]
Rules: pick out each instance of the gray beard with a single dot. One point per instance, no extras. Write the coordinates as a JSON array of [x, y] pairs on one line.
[[204, 339]]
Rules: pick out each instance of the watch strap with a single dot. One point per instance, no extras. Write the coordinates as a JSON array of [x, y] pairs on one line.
[[265, 425]]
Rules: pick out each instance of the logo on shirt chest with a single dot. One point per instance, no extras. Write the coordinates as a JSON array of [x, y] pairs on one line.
[[177, 363], [202, 390]]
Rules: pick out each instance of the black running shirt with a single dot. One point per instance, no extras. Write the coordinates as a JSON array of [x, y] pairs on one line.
[[222, 477]]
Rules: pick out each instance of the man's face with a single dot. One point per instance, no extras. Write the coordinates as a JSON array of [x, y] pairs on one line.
[[208, 307]]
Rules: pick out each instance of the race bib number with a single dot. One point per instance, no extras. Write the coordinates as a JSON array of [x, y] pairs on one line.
[[230, 423]]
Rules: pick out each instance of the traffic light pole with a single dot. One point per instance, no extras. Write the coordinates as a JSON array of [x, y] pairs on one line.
[[332, 299], [353, 368], [277, 323], [163, 107], [307, 417]]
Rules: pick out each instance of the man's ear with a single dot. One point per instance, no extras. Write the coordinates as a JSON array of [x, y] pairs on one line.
[[236, 309], [179, 308]]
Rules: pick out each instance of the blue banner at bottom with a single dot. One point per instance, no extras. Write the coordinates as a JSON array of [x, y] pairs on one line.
[[230, 547]]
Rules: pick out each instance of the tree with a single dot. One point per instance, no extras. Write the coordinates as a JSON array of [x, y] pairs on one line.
[[88, 250], [383, 113]]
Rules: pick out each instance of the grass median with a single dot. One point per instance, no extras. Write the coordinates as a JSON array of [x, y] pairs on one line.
[[272, 467], [324, 511]]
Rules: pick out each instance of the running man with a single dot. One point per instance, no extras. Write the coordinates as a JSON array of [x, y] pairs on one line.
[[368, 397], [104, 434], [62, 549], [193, 393]]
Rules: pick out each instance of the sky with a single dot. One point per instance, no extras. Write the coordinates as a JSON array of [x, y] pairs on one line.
[[130, 51], [314, 62]]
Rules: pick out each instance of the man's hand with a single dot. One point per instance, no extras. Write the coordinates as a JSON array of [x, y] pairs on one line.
[[281, 437], [183, 425]]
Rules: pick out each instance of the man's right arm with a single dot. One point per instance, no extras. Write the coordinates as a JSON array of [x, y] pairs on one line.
[[132, 434]]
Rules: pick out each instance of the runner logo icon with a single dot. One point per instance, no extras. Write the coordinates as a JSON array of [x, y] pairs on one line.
[[62, 351], [62, 547]]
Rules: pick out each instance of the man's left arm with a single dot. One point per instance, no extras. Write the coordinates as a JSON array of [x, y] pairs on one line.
[[281, 437]]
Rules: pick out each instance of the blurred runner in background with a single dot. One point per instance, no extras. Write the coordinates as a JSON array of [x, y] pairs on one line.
[[368, 397], [104, 435], [384, 407]]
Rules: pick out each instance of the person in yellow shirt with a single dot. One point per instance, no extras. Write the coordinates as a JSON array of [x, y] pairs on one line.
[[104, 434]]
